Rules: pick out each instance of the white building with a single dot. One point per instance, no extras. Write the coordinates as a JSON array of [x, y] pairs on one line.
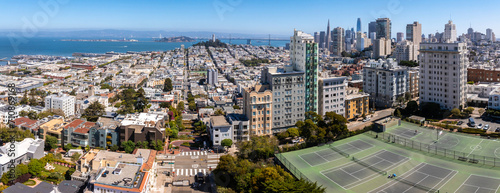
[[332, 95], [362, 41], [6, 113], [23, 151], [66, 103], [443, 74], [218, 130], [406, 51], [385, 81], [450, 32], [381, 48], [494, 99]]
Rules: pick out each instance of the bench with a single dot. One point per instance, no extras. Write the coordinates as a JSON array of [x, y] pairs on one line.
[[474, 161], [462, 159]]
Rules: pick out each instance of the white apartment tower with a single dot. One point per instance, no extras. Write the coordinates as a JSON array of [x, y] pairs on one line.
[[332, 95], [450, 32], [65, 103], [443, 74], [385, 81], [406, 51]]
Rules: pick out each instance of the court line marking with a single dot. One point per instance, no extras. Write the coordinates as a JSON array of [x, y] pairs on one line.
[[476, 146], [327, 161], [352, 163], [411, 187], [349, 173], [452, 171], [478, 186], [392, 182]]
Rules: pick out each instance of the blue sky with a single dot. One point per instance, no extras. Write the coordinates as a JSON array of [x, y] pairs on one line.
[[246, 16]]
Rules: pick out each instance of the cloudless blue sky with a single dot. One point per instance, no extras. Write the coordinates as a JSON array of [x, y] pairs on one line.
[[249, 16]]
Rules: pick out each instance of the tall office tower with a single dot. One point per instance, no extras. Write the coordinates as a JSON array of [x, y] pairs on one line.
[[358, 25], [450, 32], [443, 74], [332, 95], [414, 33], [65, 102], [493, 38], [213, 37], [327, 36], [385, 81], [470, 33], [288, 90], [362, 41], [383, 28], [372, 28], [489, 34], [212, 76], [381, 48], [400, 36], [316, 37], [322, 36], [353, 34], [373, 36], [258, 109], [338, 41], [304, 57]]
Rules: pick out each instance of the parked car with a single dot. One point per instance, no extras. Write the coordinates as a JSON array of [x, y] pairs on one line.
[[498, 129], [460, 122], [480, 126], [486, 127]]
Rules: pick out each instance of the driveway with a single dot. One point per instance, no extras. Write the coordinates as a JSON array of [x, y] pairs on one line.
[[356, 125]]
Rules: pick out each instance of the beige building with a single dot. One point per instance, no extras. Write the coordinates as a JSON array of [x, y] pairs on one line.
[[414, 33], [381, 48], [258, 109], [356, 105]]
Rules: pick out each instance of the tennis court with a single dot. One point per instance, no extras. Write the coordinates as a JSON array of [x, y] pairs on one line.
[[479, 184], [357, 172], [328, 155], [423, 178]]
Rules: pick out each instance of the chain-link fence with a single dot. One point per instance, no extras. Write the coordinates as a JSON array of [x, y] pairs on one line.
[[291, 168], [434, 149]]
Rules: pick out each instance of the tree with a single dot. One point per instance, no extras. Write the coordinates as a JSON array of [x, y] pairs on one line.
[[411, 107], [226, 142], [50, 143], [35, 166], [114, 147], [75, 157], [236, 107], [164, 105], [397, 113], [24, 100], [455, 112], [68, 173], [192, 106], [469, 110], [167, 86], [68, 146], [293, 132], [128, 146], [407, 96], [219, 112], [94, 111], [180, 107]]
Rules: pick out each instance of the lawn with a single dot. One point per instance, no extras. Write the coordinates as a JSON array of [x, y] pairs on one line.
[[30, 183]]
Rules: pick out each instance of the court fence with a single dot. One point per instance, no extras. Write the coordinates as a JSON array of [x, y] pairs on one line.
[[434, 149], [296, 172]]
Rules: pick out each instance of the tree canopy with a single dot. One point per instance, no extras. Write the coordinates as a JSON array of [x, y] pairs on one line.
[[94, 111]]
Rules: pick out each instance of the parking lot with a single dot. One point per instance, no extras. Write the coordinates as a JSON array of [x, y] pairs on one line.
[[494, 124]]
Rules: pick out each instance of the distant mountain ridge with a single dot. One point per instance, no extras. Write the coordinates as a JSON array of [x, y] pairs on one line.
[[111, 33]]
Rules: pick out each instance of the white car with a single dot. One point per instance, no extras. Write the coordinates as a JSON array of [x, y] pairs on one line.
[[486, 127], [480, 126]]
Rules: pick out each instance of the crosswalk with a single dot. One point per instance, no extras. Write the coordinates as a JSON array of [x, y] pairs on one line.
[[192, 153], [189, 172]]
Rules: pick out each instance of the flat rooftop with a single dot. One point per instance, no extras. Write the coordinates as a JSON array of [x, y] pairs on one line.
[[123, 175]]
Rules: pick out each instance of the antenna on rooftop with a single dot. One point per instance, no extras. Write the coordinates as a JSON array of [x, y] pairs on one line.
[[269, 39]]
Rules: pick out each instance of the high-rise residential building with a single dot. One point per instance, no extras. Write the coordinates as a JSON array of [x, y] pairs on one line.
[[400, 36], [316, 37], [288, 96], [65, 102], [332, 95], [327, 36], [358, 25], [381, 48], [489, 34], [414, 33], [406, 51], [385, 81], [450, 32], [258, 109], [383, 28], [356, 105], [443, 74], [304, 57], [338, 41], [212, 77], [413, 79], [362, 41], [372, 28], [322, 36]]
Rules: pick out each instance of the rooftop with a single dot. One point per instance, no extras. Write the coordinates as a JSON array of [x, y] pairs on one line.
[[218, 121], [123, 175]]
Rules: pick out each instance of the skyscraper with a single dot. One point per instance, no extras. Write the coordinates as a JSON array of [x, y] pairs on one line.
[[443, 68], [322, 36], [372, 27], [383, 28], [400, 36], [414, 33], [316, 37], [338, 41], [489, 34], [450, 32], [304, 57], [327, 36], [358, 25]]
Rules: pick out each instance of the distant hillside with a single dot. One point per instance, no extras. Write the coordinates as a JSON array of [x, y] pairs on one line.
[[176, 39]]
